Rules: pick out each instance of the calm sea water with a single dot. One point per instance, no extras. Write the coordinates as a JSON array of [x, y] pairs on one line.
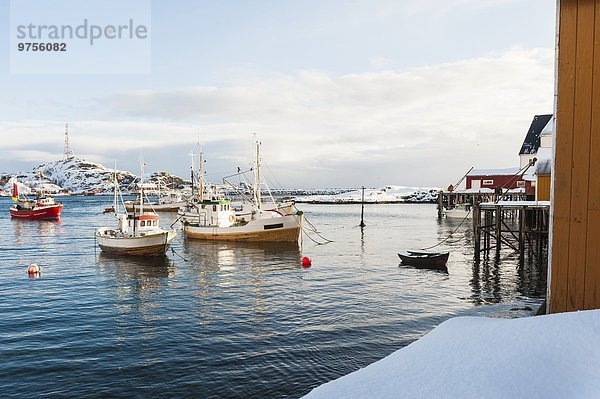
[[225, 320]]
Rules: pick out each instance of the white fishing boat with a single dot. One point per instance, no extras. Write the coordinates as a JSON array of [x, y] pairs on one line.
[[460, 211], [168, 200], [137, 233], [212, 217]]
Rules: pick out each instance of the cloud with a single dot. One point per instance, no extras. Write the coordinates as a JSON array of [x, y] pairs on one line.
[[423, 125]]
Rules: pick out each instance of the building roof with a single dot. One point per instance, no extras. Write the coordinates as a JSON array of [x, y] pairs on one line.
[[532, 139], [494, 172]]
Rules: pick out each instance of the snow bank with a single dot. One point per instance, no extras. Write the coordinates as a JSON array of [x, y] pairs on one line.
[[553, 356], [376, 195]]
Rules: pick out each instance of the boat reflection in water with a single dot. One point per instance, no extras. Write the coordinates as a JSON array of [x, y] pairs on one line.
[[143, 269], [229, 272], [225, 255]]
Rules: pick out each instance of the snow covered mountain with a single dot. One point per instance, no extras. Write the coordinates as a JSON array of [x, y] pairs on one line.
[[76, 176], [386, 194]]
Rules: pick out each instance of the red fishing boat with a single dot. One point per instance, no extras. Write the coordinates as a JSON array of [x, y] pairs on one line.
[[42, 207]]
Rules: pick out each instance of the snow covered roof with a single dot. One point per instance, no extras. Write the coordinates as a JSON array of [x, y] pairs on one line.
[[543, 165], [553, 356], [493, 172], [532, 139], [472, 190], [549, 128]]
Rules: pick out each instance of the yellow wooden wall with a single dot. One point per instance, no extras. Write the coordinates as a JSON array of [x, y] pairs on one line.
[[575, 238], [542, 188]]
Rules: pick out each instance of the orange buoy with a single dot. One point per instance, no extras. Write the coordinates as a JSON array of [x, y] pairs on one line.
[[306, 262], [34, 269]]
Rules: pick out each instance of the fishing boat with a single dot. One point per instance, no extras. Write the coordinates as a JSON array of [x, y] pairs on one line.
[[459, 211], [212, 217], [433, 260], [42, 207], [170, 202], [137, 233]]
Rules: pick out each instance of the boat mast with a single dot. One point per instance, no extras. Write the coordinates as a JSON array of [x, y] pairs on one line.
[[193, 158], [257, 177], [115, 200], [141, 186], [201, 175]]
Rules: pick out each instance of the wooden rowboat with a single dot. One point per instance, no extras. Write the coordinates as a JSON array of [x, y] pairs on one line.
[[432, 260]]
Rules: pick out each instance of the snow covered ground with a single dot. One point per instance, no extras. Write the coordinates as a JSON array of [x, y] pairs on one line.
[[553, 356], [377, 195]]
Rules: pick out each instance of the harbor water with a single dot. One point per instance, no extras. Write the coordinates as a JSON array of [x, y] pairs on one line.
[[231, 320]]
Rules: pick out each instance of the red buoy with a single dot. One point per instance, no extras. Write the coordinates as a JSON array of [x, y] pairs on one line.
[[306, 262], [34, 269]]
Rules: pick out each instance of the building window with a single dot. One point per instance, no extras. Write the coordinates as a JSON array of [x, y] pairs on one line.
[[521, 183], [142, 223], [488, 182]]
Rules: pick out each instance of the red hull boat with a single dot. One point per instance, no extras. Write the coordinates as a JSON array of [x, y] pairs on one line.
[[40, 208], [50, 212]]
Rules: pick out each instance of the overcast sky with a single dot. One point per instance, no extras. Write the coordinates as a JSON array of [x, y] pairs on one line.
[[341, 93]]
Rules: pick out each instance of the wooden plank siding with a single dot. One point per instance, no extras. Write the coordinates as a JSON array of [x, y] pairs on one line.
[[542, 187], [575, 238]]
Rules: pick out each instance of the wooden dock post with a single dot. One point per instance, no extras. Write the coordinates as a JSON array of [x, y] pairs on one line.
[[522, 233], [477, 230], [440, 204], [498, 215]]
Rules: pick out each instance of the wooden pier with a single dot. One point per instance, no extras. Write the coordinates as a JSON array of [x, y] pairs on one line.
[[452, 199], [519, 225]]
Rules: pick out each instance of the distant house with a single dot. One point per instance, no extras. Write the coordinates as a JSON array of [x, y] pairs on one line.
[[538, 144], [493, 180], [533, 138]]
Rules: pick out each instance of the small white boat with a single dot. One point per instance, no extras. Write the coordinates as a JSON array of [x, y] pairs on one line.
[[459, 211], [136, 233]]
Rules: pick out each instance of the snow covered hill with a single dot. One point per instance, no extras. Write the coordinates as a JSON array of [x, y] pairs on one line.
[[75, 175], [384, 194], [78, 176]]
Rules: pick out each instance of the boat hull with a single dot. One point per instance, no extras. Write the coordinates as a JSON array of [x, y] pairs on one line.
[[422, 259], [148, 245], [457, 213], [276, 229], [42, 213]]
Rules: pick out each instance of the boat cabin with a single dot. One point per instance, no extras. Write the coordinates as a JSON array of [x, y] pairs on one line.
[[138, 224], [213, 213]]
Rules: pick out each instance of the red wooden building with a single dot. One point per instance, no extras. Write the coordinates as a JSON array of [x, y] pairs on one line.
[[496, 179]]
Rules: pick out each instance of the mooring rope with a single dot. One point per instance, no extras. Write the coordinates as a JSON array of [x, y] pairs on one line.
[[450, 235], [313, 230], [175, 253]]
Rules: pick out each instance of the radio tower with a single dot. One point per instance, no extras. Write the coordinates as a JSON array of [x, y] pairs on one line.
[[68, 153]]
